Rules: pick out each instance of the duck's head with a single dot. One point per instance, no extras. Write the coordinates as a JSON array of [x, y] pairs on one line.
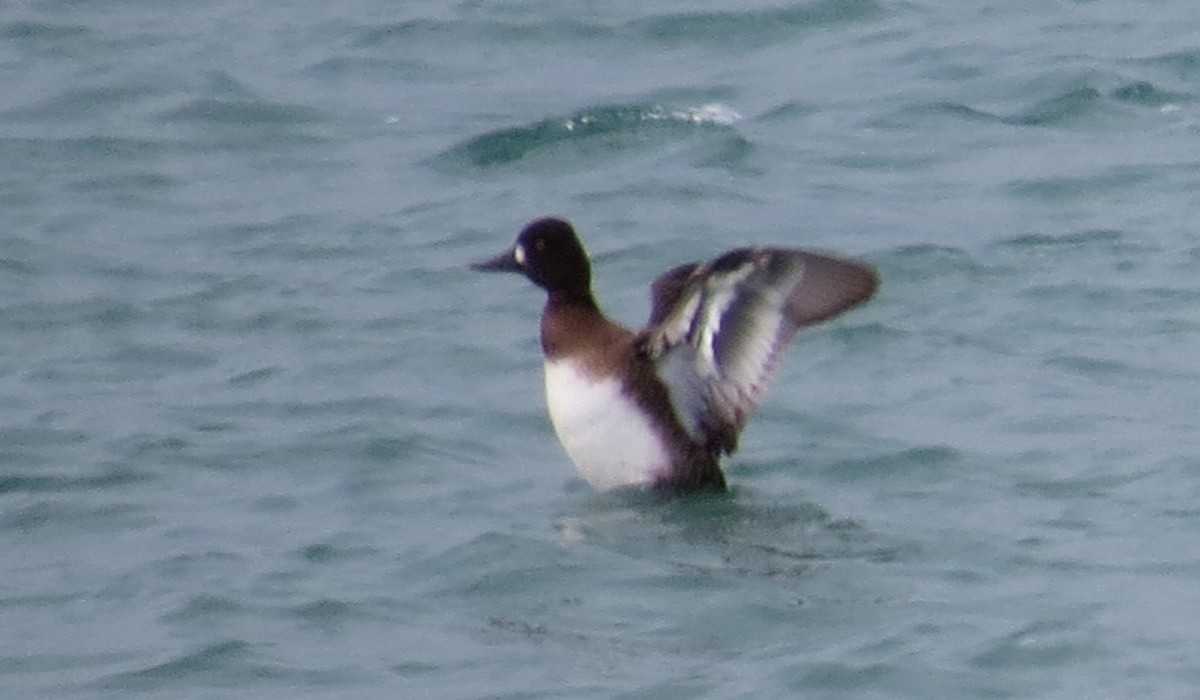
[[548, 252]]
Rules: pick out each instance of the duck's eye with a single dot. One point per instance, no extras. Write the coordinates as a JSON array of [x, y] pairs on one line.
[[540, 244]]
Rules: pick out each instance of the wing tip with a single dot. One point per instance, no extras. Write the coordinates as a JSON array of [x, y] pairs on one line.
[[829, 287]]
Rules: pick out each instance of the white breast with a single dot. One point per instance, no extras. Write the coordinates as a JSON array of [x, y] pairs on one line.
[[610, 441]]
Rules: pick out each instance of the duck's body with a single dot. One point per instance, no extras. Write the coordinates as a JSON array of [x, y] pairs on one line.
[[657, 408]]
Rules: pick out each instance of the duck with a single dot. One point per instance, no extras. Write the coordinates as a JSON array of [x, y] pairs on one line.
[[656, 409]]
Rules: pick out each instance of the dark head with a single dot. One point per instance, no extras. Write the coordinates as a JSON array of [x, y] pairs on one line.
[[549, 253]]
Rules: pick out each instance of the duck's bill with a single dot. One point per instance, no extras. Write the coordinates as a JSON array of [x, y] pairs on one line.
[[504, 262]]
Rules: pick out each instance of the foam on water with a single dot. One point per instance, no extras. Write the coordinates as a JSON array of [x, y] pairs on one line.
[[609, 128]]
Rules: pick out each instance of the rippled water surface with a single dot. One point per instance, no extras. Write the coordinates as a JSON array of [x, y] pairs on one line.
[[262, 434]]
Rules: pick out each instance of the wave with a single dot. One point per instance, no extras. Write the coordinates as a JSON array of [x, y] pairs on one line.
[[756, 26], [748, 27], [1073, 104], [606, 128]]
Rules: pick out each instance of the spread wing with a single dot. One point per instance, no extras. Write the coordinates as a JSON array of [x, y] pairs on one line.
[[717, 330]]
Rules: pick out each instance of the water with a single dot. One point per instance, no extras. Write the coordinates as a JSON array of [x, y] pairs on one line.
[[263, 434]]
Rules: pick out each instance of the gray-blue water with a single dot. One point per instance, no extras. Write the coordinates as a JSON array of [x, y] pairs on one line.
[[262, 434]]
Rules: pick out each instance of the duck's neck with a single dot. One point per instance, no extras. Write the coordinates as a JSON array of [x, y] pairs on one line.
[[580, 299], [570, 320]]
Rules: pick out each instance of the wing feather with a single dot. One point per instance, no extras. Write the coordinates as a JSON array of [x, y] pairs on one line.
[[718, 330]]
